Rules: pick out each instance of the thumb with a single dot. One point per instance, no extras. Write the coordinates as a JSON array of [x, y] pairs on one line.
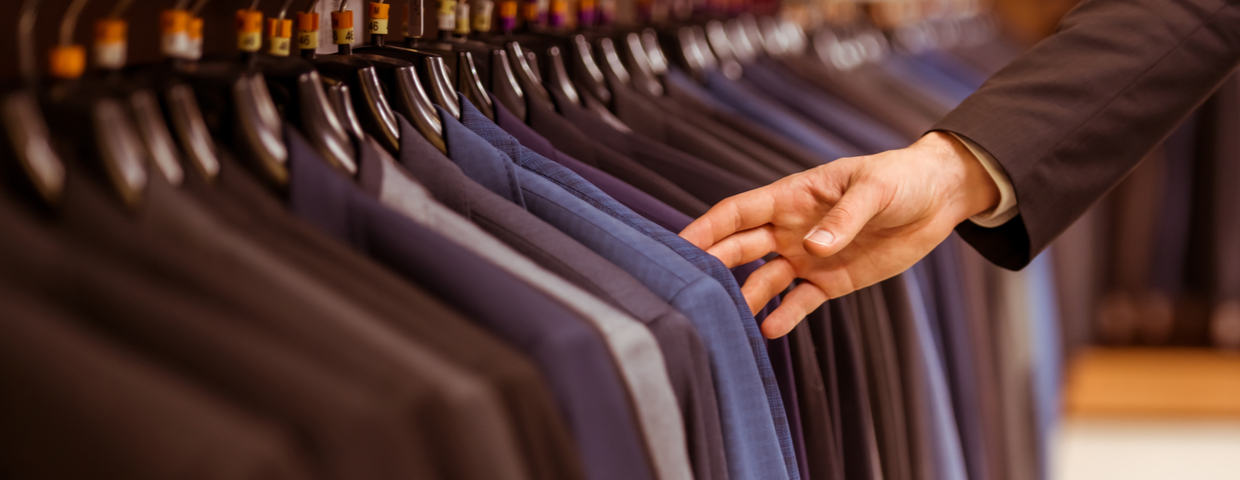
[[843, 222]]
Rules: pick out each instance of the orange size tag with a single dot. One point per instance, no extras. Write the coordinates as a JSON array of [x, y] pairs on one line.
[[67, 62], [249, 30], [110, 45], [174, 33], [279, 36], [378, 23], [342, 27], [308, 31]]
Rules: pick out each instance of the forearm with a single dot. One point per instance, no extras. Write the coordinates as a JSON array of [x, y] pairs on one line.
[[1074, 115]]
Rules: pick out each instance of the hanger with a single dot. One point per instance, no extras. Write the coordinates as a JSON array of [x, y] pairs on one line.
[[719, 42], [431, 67], [136, 93], [644, 76], [693, 51], [362, 75], [746, 52], [528, 75], [24, 128], [296, 87], [91, 120], [459, 52], [342, 101], [237, 107]]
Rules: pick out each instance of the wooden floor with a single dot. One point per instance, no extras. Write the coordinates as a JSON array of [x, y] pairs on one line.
[[1153, 383]]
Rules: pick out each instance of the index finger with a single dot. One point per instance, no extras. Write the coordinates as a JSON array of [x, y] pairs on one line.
[[736, 213]]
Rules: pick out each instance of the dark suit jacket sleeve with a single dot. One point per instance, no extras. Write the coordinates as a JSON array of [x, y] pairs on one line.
[[1070, 118]]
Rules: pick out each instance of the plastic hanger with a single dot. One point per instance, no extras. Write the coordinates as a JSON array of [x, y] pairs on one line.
[[24, 128], [91, 120], [430, 66], [645, 78], [457, 52], [722, 47], [296, 87], [362, 75], [237, 107]]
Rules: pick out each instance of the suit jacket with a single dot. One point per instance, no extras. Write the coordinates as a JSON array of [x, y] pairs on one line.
[[276, 298], [703, 179], [143, 422], [683, 351], [1059, 111], [649, 120], [577, 187], [822, 453], [567, 137], [249, 206], [760, 108], [572, 355], [631, 343], [887, 395], [349, 431], [639, 201], [747, 414]]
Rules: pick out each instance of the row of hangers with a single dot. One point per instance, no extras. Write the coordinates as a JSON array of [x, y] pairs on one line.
[[121, 118]]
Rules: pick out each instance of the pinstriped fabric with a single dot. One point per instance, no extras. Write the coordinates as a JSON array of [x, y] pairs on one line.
[[708, 264]]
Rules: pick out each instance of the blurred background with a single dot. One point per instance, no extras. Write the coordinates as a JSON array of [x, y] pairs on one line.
[[1147, 285]]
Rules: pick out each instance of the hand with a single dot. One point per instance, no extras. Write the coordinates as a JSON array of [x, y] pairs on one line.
[[846, 225]]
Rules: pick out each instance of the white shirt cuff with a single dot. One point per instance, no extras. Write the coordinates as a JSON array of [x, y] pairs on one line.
[[1007, 208]]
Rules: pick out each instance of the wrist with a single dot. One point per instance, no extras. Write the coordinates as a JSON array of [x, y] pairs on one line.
[[970, 189]]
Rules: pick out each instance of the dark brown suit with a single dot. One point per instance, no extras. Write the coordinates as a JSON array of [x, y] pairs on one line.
[[1076, 113]]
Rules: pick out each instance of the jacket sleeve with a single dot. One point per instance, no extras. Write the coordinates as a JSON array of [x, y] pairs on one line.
[[1072, 116]]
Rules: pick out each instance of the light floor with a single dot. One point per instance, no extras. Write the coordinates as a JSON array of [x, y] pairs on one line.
[[1138, 414]]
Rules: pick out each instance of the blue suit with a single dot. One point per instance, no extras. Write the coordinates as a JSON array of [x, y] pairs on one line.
[[751, 439]]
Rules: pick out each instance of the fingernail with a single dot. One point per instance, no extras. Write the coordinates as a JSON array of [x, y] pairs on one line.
[[821, 237]]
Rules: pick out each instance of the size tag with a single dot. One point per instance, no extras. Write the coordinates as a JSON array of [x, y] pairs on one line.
[[530, 11], [174, 33], [249, 30], [307, 31], [559, 13], [462, 19], [279, 36], [447, 15], [378, 23], [194, 50], [482, 15], [110, 43], [586, 11], [67, 62], [507, 16], [342, 27]]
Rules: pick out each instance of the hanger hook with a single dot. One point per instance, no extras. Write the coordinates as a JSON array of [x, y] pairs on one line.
[[313, 4], [284, 9], [69, 22], [25, 42], [343, 3], [254, 5], [181, 5]]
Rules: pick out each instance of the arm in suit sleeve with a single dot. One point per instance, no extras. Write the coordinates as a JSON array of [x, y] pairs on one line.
[[1070, 118]]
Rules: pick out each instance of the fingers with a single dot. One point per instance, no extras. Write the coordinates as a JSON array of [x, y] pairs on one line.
[[744, 247], [733, 214], [842, 223], [795, 306], [766, 282]]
